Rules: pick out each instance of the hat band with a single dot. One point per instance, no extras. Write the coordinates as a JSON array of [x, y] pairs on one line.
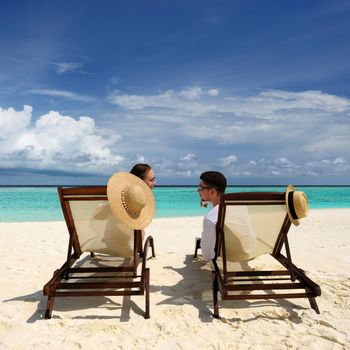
[[291, 206], [130, 211]]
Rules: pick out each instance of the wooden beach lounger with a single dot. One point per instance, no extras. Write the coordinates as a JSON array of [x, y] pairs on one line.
[[269, 220], [116, 251]]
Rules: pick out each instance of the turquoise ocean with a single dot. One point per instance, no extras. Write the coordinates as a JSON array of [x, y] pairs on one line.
[[22, 204]]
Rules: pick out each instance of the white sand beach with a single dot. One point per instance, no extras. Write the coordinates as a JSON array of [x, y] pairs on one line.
[[181, 298]]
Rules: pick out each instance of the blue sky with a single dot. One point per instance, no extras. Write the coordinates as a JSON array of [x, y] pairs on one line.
[[259, 90]]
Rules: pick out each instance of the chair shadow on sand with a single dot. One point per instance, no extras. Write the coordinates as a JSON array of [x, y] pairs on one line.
[[66, 304], [195, 288], [77, 304]]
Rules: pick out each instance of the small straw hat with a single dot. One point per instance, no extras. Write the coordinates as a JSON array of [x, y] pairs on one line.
[[131, 200], [297, 204]]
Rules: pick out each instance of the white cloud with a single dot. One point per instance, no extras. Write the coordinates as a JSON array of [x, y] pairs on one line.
[[184, 173], [282, 161], [140, 101], [307, 99], [213, 92], [55, 142], [170, 100], [63, 67], [339, 161], [192, 93], [290, 129], [230, 160], [141, 159], [268, 134], [189, 157], [61, 93], [12, 122], [329, 139]]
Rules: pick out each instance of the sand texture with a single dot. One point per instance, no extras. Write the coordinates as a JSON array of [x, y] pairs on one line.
[[181, 297]]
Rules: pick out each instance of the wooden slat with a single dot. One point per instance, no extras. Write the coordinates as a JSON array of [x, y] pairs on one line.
[[264, 286], [98, 285]]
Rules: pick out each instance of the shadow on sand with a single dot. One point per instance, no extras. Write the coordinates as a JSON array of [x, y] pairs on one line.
[[194, 288], [66, 304]]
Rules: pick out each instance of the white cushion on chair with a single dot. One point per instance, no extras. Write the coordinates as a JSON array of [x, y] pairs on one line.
[[252, 230], [240, 238], [98, 231]]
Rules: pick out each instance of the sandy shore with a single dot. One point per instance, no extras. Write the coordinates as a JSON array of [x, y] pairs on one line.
[[181, 301]]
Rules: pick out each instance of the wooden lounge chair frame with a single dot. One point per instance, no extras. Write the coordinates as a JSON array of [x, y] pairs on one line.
[[72, 281], [288, 282]]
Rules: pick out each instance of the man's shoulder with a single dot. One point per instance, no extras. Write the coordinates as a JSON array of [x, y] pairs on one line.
[[212, 215]]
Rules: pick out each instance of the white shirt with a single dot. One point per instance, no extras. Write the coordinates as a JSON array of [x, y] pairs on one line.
[[209, 234]]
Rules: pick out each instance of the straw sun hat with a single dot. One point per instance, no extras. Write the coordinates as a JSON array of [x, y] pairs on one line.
[[297, 204], [131, 200]]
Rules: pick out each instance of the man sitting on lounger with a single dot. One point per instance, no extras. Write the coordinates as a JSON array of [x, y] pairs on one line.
[[212, 184]]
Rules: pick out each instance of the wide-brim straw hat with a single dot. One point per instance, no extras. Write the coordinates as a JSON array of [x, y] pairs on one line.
[[297, 205], [131, 200]]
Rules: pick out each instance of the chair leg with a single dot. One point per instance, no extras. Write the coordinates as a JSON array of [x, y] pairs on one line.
[[152, 246], [215, 295], [313, 304], [197, 246], [49, 307], [147, 313]]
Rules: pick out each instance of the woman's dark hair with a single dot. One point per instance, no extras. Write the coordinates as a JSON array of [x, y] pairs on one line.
[[214, 179], [140, 170]]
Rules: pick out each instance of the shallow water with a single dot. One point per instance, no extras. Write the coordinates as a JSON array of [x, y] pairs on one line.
[[21, 204]]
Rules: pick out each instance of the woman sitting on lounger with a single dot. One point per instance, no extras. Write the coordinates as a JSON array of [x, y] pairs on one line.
[[145, 173]]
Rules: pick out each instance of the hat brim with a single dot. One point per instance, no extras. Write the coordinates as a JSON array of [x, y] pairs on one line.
[[116, 184], [289, 189]]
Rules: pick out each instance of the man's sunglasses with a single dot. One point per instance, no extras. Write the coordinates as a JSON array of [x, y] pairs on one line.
[[201, 188]]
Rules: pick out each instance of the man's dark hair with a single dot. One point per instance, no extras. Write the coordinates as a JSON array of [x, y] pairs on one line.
[[214, 179], [140, 170]]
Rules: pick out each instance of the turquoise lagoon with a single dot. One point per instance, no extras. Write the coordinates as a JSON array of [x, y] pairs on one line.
[[22, 204]]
